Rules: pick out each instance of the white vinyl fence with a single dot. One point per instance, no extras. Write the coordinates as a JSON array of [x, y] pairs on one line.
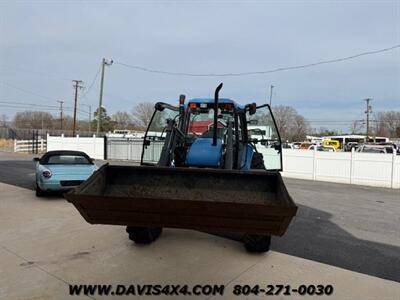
[[30, 145], [92, 146], [131, 149], [373, 169]]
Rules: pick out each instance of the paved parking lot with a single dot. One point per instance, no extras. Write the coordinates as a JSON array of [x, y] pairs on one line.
[[347, 236]]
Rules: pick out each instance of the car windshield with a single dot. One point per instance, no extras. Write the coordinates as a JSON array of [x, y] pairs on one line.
[[67, 160]]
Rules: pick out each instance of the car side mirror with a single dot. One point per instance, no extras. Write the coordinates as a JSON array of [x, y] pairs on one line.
[[35, 159], [92, 159], [146, 143]]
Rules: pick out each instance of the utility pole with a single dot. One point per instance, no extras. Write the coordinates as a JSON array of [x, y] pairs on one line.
[[90, 116], [270, 95], [76, 86], [61, 113], [104, 63], [368, 111]]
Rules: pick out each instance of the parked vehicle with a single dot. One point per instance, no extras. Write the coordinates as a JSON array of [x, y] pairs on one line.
[[367, 148], [305, 146], [211, 179], [390, 147], [350, 145], [287, 146], [62, 170], [322, 148], [332, 143], [296, 145]]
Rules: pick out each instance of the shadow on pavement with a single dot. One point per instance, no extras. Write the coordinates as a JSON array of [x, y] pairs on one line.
[[313, 236], [20, 173]]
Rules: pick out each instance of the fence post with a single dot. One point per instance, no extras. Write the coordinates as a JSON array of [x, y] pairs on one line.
[[94, 145], [393, 167], [105, 147], [15, 145], [351, 165], [314, 175], [33, 142]]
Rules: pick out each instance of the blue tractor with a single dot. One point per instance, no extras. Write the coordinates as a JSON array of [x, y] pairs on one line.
[[214, 133], [210, 165]]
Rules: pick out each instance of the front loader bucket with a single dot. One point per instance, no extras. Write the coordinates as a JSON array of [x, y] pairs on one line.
[[213, 200]]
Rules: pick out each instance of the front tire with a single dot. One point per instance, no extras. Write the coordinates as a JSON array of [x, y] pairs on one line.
[[256, 243], [39, 192], [143, 235]]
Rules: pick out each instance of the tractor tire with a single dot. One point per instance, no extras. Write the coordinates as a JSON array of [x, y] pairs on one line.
[[256, 243], [39, 192], [143, 235]]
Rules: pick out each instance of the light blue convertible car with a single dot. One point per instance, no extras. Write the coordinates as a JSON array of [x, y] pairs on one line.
[[62, 170]]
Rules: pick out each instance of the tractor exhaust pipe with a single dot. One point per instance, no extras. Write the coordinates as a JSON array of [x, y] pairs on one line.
[[216, 95]]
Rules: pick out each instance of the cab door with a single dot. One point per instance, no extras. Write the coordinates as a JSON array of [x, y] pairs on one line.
[[156, 133], [262, 128]]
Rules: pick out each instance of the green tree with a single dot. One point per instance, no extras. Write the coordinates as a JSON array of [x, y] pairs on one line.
[[106, 124]]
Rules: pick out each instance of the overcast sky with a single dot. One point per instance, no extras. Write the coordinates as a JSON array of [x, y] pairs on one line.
[[44, 45]]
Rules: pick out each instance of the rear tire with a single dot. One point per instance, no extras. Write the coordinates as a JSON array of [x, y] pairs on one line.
[[143, 235], [256, 243], [39, 192]]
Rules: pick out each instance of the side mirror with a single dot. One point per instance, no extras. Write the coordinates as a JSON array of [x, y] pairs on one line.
[[252, 108], [35, 159], [92, 159], [146, 143]]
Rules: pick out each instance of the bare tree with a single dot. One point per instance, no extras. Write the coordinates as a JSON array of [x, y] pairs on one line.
[[3, 120], [33, 119], [356, 127], [142, 113], [291, 125], [387, 123], [122, 118]]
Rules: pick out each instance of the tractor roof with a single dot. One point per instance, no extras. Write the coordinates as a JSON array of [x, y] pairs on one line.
[[211, 100]]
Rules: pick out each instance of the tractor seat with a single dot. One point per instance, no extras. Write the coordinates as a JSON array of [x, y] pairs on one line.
[[203, 154]]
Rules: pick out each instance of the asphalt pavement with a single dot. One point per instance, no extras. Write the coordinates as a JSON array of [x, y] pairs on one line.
[[352, 227]]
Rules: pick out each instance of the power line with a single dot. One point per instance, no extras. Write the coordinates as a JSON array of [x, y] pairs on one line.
[[47, 74], [91, 85], [26, 91], [41, 107], [25, 103], [13, 106], [145, 69]]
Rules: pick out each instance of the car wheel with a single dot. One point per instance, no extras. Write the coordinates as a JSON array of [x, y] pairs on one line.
[[143, 235], [39, 192]]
